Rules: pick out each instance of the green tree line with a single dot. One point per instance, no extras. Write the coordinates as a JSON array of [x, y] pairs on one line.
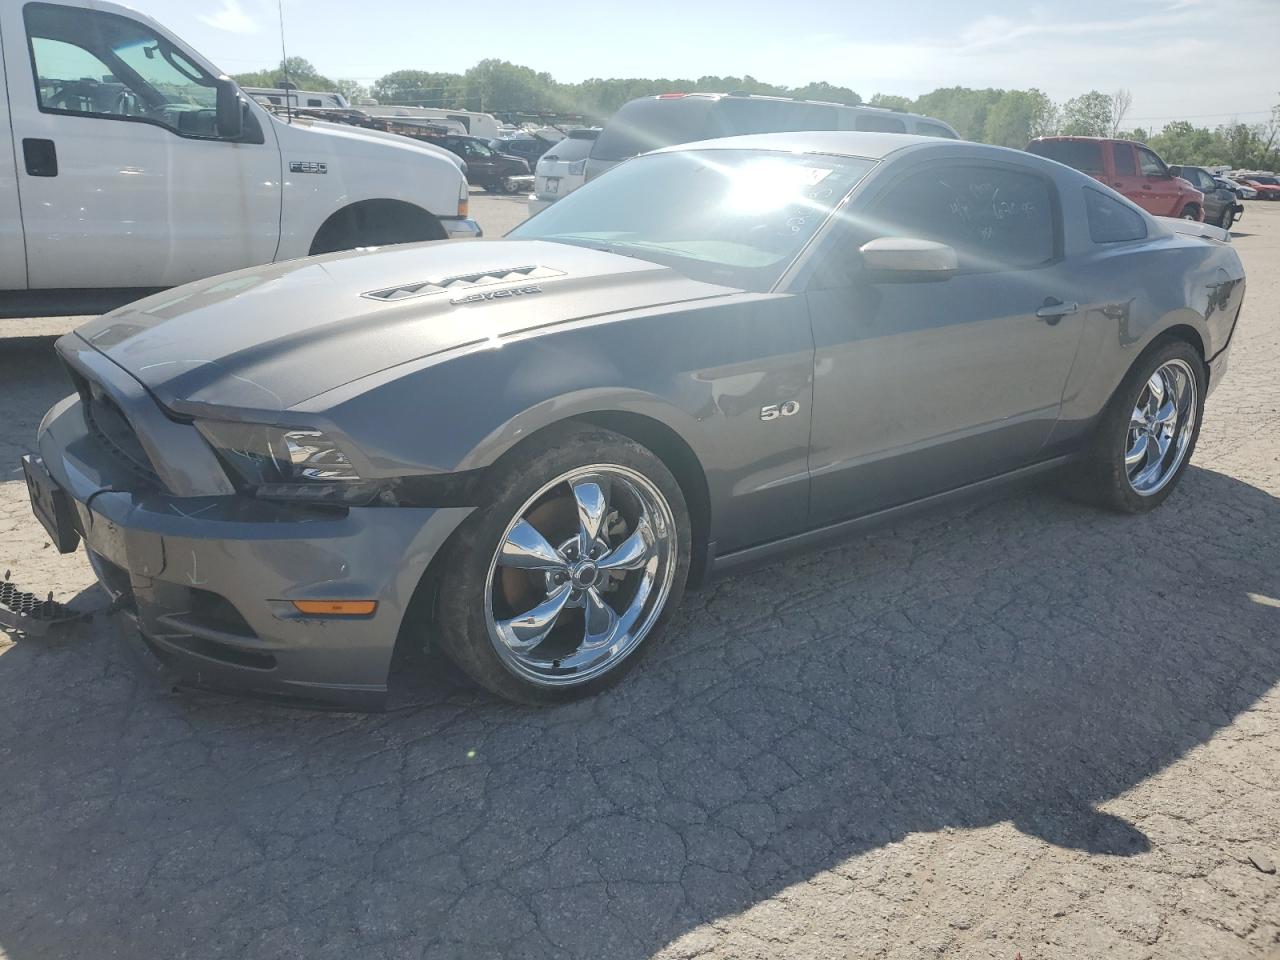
[[1006, 117]]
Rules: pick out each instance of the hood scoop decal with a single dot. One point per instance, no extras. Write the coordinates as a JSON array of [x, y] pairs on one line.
[[424, 288]]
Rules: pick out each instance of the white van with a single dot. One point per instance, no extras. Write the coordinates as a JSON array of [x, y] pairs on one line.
[[129, 164], [649, 123]]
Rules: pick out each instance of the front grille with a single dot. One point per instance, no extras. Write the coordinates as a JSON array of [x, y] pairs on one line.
[[109, 425]]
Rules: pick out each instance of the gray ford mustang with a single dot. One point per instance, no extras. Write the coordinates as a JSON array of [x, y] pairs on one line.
[[524, 450]]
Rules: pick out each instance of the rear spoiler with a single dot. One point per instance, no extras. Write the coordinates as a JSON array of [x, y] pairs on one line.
[[1193, 228]]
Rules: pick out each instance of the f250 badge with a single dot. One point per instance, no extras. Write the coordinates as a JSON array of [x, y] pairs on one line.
[[496, 294], [307, 166]]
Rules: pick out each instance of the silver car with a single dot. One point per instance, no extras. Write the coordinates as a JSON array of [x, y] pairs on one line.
[[524, 450]]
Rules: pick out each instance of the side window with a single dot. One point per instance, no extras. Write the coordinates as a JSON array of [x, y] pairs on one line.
[[1122, 153], [1111, 221], [994, 217], [314, 102], [104, 65], [879, 124], [926, 129], [1152, 166], [478, 150]]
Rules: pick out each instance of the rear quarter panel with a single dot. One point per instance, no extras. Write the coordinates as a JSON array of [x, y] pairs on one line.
[[1138, 292]]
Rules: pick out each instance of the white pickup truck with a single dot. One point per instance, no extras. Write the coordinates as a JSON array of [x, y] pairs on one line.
[[129, 163]]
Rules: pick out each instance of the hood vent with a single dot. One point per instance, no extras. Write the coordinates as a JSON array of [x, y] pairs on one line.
[[467, 281]]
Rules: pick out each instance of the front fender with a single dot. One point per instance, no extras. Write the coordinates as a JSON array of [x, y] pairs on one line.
[[702, 371]]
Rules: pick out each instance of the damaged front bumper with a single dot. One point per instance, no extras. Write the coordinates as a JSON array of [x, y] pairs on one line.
[[210, 581]]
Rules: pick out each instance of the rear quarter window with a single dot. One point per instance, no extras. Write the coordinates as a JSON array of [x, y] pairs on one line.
[[648, 124], [878, 124], [926, 129], [1083, 155], [1111, 221]]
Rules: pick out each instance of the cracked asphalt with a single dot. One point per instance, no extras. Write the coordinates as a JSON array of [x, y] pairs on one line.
[[1021, 728]]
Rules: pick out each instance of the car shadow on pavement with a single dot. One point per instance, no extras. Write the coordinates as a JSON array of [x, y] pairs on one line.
[[1023, 662]]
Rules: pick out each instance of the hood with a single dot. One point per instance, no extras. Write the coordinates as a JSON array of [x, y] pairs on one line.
[[271, 337], [345, 133]]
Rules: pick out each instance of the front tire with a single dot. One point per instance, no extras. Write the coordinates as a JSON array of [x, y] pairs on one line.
[[1190, 212], [1146, 435], [554, 587], [1227, 219]]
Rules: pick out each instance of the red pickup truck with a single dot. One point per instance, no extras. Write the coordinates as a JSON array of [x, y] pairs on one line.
[[1129, 168]]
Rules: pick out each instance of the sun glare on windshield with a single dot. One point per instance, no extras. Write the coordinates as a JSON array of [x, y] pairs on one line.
[[769, 184]]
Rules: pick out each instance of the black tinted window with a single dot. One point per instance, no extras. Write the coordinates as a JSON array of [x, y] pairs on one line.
[[926, 129], [879, 124], [1152, 166], [1111, 221], [1122, 154], [644, 125], [1084, 155], [743, 116], [993, 216]]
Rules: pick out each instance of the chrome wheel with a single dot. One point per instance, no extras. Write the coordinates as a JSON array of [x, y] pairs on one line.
[[581, 575], [1160, 427]]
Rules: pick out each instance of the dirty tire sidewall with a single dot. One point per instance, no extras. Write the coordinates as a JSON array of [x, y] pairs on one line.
[[1101, 477], [460, 626]]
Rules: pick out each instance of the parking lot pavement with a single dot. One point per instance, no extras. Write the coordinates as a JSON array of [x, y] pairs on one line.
[[497, 213], [1025, 728]]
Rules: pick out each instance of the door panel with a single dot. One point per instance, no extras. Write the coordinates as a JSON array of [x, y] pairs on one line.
[[1158, 192], [924, 386], [13, 258], [145, 192]]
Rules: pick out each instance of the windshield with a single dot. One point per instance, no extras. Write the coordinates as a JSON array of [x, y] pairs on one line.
[[736, 217]]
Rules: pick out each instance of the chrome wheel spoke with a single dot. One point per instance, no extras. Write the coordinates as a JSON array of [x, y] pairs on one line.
[[1138, 419], [634, 552], [1156, 386], [521, 634], [1167, 412], [592, 507], [600, 619], [526, 549], [1138, 452]]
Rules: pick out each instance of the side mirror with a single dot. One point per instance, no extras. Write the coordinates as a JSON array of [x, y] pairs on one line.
[[230, 111], [905, 259]]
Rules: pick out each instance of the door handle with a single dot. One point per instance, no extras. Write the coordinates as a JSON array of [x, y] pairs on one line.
[[41, 157], [1054, 310]]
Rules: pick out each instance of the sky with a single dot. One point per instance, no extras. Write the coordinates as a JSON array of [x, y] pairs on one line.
[[1208, 61]]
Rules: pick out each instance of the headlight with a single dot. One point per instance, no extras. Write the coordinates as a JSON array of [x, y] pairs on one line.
[[287, 463]]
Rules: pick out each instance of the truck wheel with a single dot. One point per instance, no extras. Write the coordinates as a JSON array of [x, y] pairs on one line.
[[375, 223], [1228, 218], [554, 587], [1190, 212]]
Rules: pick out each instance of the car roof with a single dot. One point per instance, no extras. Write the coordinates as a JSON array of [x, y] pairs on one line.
[[848, 143]]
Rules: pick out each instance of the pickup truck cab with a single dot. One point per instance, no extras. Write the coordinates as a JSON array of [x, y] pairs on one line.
[[129, 163], [1130, 168]]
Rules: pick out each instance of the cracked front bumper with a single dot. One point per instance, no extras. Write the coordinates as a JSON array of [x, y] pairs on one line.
[[210, 581]]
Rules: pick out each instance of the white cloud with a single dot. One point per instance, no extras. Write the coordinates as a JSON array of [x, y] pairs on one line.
[[231, 18]]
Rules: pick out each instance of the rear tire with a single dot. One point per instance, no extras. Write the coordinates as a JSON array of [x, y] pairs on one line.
[[529, 612], [1127, 468]]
